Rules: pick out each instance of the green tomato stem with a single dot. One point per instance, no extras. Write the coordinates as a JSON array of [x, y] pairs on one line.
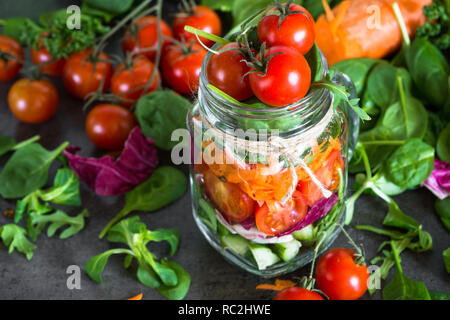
[[207, 35]]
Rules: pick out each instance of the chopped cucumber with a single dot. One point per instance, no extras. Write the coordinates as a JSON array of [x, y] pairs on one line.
[[287, 250], [263, 256], [222, 230], [236, 243], [305, 235]]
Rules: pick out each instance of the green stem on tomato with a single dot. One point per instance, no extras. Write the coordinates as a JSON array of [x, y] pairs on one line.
[[207, 35]]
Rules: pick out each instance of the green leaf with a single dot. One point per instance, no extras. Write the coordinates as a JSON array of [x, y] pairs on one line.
[[124, 230], [179, 291], [147, 276], [439, 295], [94, 267], [172, 236], [443, 209], [443, 145], [6, 144], [16, 27], [358, 70], [222, 5], [60, 219], [27, 170], [446, 256], [65, 190], [396, 218], [112, 6], [159, 114], [411, 164], [15, 237]]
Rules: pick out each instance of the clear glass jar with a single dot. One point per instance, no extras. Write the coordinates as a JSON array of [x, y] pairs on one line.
[[268, 183]]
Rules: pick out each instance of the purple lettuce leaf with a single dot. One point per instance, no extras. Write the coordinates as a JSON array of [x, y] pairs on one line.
[[248, 223], [319, 210], [110, 177], [439, 180]]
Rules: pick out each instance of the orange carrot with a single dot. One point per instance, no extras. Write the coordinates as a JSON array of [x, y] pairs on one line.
[[138, 297], [278, 286], [365, 28]]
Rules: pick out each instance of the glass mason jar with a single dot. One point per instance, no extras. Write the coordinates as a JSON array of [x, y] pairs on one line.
[[268, 183]]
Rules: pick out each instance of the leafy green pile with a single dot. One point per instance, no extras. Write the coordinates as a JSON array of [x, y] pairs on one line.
[[168, 277], [23, 176]]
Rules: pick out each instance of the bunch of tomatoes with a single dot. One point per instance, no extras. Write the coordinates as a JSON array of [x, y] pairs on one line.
[[279, 74], [91, 72]]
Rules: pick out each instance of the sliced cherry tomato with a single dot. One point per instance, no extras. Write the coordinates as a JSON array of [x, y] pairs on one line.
[[295, 31], [297, 293], [328, 174], [339, 277], [181, 67], [287, 78], [108, 126], [81, 76], [33, 101], [202, 18], [128, 81], [41, 55], [227, 72], [11, 57], [233, 203], [279, 218], [142, 37]]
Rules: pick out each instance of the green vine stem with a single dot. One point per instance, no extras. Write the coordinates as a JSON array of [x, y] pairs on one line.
[[207, 35]]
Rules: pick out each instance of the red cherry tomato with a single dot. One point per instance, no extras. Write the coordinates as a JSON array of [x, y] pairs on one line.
[[295, 31], [287, 79], [142, 37], [33, 101], [328, 175], [226, 71], [81, 78], [41, 55], [297, 293], [11, 63], [229, 199], [181, 70], [280, 218], [126, 81], [108, 126], [202, 18], [339, 277]]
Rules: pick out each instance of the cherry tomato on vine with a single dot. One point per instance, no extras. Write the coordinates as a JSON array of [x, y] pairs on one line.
[[142, 37], [11, 57], [80, 76], [328, 174], [41, 55], [181, 67], [227, 72], [202, 18], [231, 201], [33, 101], [108, 126], [279, 218], [296, 30], [339, 277], [129, 81], [297, 293], [287, 78]]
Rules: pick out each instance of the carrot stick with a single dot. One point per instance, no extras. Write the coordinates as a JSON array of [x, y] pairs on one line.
[[278, 286], [138, 297]]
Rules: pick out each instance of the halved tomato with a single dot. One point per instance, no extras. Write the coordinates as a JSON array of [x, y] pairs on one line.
[[277, 218], [327, 174], [229, 199]]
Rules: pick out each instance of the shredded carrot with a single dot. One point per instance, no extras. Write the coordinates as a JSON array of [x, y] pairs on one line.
[[278, 286], [138, 297], [328, 13]]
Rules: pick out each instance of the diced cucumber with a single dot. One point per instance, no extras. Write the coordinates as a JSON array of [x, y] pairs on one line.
[[287, 250], [222, 230], [236, 243], [263, 256], [305, 235]]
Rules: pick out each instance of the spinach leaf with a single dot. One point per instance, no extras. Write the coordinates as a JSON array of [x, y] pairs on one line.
[[65, 190], [15, 237], [382, 85], [411, 164], [315, 63], [27, 170], [159, 114], [58, 220], [443, 209], [443, 145], [446, 256], [8, 144], [403, 288], [430, 71], [358, 70], [165, 185]]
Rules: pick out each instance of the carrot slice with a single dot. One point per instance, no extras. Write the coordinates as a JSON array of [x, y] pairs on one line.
[[278, 286], [138, 297]]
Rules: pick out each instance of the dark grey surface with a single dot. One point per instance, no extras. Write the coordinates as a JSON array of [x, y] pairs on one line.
[[44, 277]]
